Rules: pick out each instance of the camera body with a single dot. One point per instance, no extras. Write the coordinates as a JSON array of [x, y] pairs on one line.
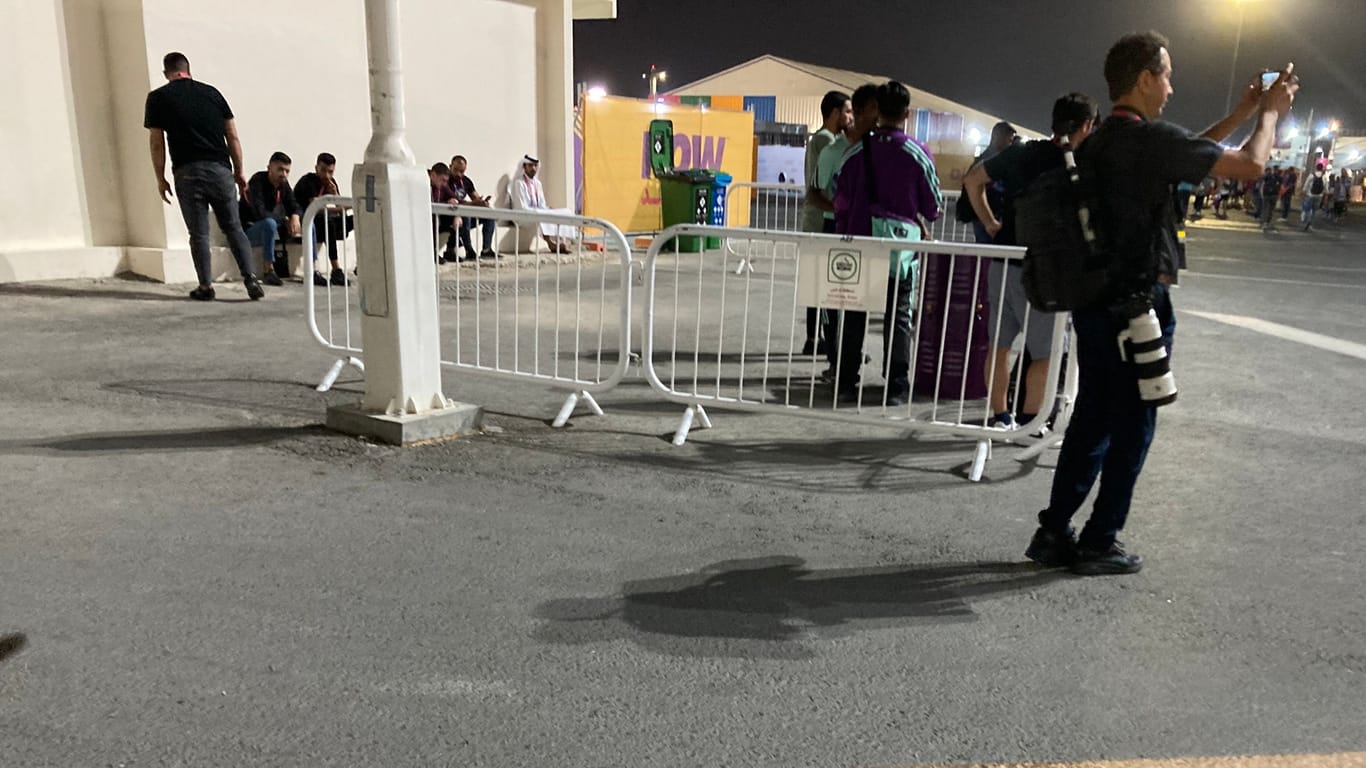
[[1140, 343]]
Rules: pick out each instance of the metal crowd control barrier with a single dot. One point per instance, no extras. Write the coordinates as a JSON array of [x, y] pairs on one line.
[[557, 310], [713, 337], [339, 331]]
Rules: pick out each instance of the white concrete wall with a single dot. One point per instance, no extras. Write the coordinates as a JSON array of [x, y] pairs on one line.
[[40, 197], [479, 102], [489, 79]]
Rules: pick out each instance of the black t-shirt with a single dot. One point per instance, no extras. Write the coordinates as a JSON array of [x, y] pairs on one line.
[[1014, 168], [192, 115], [1132, 164], [462, 188]]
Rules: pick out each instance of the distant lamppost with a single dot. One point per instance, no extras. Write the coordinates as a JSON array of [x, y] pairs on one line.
[[655, 76]]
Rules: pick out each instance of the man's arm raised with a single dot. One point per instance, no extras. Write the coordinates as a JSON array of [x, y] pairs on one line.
[[1249, 162]]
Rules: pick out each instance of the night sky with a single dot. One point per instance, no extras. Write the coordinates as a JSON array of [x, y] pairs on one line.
[[1005, 57]]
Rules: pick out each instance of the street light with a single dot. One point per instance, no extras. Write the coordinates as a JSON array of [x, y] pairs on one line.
[[655, 76], [1237, 43], [597, 93]]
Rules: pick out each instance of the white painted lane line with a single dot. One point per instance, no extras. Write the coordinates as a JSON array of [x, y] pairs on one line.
[[1336, 760], [1282, 281], [1297, 335], [1309, 267]]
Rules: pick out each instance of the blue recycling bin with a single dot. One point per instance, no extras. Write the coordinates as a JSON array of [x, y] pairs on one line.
[[720, 181]]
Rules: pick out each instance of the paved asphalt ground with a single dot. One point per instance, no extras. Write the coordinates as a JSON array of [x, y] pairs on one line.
[[207, 578]]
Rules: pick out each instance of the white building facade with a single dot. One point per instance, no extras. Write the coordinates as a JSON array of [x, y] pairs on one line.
[[488, 79]]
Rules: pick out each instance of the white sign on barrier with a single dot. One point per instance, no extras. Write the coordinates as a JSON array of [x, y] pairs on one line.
[[842, 278]]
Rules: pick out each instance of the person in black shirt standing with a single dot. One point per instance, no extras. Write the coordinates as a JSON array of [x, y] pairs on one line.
[[270, 208], [336, 226], [1132, 162], [206, 159], [465, 194], [1012, 169]]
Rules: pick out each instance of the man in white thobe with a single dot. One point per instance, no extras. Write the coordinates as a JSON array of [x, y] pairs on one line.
[[527, 194]]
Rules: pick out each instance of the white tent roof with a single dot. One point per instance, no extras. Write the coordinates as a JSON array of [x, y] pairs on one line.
[[846, 80]]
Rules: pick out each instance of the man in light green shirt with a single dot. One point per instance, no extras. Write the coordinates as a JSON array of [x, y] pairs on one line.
[[836, 114], [864, 106]]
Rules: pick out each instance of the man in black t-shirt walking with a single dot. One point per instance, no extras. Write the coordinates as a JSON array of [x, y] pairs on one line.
[[206, 159], [1132, 162]]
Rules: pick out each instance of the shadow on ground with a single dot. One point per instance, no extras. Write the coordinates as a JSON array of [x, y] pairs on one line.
[[85, 292], [174, 440], [264, 396], [765, 607]]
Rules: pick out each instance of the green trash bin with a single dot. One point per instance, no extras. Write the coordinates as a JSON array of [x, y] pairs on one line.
[[686, 196]]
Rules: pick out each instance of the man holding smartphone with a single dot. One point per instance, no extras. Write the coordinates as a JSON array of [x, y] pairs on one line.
[[1133, 160]]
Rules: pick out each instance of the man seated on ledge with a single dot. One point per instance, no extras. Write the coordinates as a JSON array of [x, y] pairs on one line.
[[527, 194], [440, 177], [268, 208], [335, 226], [463, 189]]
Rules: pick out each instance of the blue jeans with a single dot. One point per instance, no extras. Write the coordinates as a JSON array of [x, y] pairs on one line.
[[487, 225], [264, 233], [200, 187], [1110, 431]]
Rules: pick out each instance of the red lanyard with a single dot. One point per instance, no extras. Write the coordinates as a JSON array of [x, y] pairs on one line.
[[1128, 113]]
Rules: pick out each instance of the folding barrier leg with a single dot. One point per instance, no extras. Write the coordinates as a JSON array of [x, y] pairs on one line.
[[685, 426], [330, 377], [979, 460], [571, 403]]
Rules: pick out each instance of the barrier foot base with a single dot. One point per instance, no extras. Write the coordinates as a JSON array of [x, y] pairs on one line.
[[979, 460], [744, 266], [571, 403], [330, 377], [685, 426]]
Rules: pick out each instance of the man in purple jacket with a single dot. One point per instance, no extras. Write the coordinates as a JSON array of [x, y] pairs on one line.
[[907, 190]]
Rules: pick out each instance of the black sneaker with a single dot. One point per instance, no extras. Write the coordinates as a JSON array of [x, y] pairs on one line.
[[202, 293], [1106, 562], [899, 397], [339, 277], [272, 279], [254, 289], [1052, 549], [488, 253], [318, 279]]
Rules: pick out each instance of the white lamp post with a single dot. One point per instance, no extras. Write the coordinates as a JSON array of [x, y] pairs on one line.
[[403, 402]]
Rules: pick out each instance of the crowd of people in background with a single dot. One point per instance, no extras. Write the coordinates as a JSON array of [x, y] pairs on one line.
[[1322, 192]]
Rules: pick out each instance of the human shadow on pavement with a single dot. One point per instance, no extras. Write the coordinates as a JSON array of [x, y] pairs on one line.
[[171, 440], [764, 608]]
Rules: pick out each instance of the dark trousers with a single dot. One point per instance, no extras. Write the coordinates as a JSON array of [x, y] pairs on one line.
[[1110, 430], [200, 187], [846, 357], [331, 228], [443, 225], [488, 226]]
